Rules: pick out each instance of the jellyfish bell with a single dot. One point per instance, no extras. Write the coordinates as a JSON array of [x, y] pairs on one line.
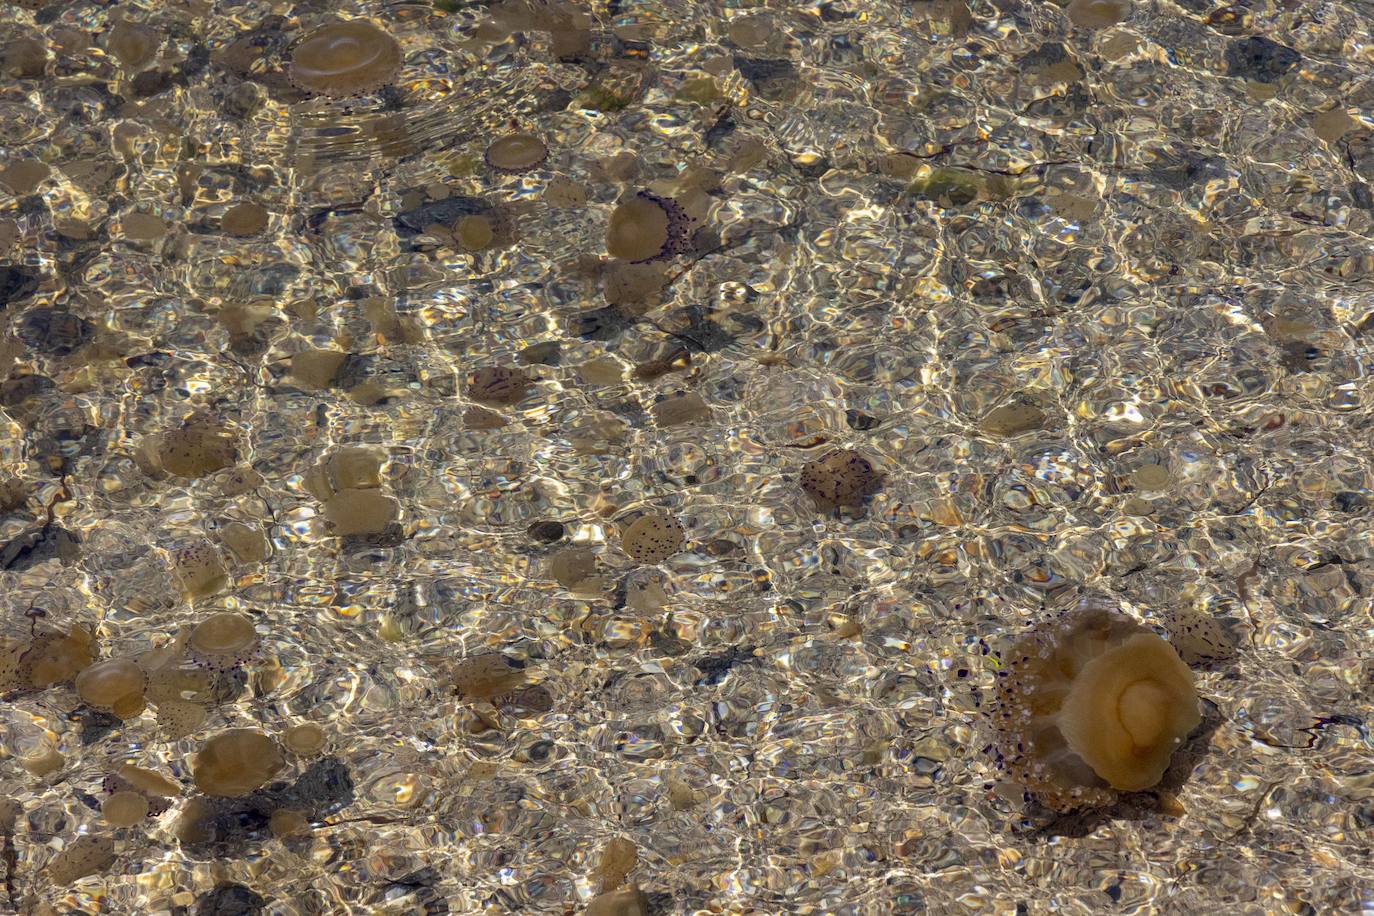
[[222, 641], [647, 227], [1088, 705], [344, 59], [516, 153], [236, 761]]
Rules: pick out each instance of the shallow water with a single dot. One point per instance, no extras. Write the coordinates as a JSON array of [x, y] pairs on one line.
[[1096, 303]]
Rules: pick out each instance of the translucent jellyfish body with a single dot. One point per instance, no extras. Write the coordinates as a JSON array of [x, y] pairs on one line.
[[1088, 705], [222, 641], [646, 227], [841, 479], [237, 761], [115, 684], [653, 538], [345, 58], [516, 153]]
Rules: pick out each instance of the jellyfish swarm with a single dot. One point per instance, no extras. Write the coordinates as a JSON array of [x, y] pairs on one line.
[[1088, 705]]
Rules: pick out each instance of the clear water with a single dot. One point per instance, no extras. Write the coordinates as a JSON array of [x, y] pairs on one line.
[[904, 216]]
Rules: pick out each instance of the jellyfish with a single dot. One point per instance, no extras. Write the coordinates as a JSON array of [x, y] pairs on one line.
[[516, 153], [124, 809], [498, 385], [841, 479], [115, 685], [236, 761], [85, 855], [653, 538], [196, 449], [1088, 705], [647, 227], [344, 59], [222, 641]]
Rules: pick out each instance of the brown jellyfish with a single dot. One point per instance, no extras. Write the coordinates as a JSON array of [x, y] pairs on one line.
[[124, 809], [222, 641], [116, 685], [86, 855], [237, 761], [344, 59], [52, 658], [305, 740], [515, 153], [841, 479], [653, 538], [647, 227], [1088, 705], [498, 385]]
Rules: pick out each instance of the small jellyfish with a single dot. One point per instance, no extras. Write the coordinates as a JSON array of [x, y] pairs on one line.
[[54, 658], [1098, 14], [682, 408], [124, 809], [196, 449], [474, 232], [247, 543], [178, 718], [647, 227], [498, 385], [148, 783], [840, 480], [627, 901], [618, 858], [1088, 705], [576, 568], [355, 511], [288, 822], [199, 568], [317, 369], [344, 59], [653, 538], [86, 855], [244, 220], [133, 45], [236, 761], [116, 685], [515, 153], [305, 740], [222, 641]]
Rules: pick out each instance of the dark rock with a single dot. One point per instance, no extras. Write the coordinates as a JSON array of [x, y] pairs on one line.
[[230, 900], [1188, 168], [547, 532], [724, 127], [230, 823], [60, 448], [446, 212], [17, 282], [38, 545], [714, 667], [1047, 55], [197, 60], [1257, 58], [698, 332], [94, 724], [54, 332], [1348, 501], [861, 421], [762, 70], [17, 391], [151, 82], [548, 353], [669, 643], [601, 324]]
